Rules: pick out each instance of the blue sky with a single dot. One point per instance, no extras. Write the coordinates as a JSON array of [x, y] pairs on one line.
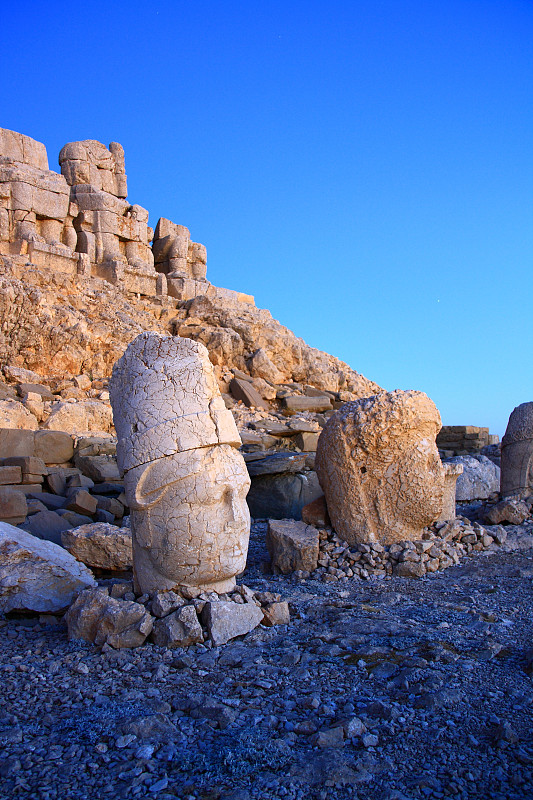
[[365, 169]]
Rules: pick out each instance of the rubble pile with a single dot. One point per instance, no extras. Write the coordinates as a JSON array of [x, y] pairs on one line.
[[114, 616]]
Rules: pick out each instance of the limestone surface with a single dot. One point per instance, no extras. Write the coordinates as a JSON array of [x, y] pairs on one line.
[[36, 575], [179, 629], [184, 480], [517, 453], [100, 545], [451, 474], [87, 415], [379, 467], [292, 546], [226, 620], [479, 479], [100, 619]]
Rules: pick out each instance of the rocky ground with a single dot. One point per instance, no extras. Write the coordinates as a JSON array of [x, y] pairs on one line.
[[387, 688]]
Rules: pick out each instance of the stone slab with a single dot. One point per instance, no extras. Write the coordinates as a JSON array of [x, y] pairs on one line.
[[10, 475], [15, 442]]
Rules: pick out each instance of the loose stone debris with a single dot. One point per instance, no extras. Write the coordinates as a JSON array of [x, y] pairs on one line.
[[384, 688]]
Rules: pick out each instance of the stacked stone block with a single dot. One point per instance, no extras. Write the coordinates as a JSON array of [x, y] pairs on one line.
[[51, 481], [36, 215], [112, 233], [464, 439], [182, 261]]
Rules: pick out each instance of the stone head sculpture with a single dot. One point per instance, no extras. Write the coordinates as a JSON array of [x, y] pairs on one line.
[[379, 467], [185, 481], [517, 453]]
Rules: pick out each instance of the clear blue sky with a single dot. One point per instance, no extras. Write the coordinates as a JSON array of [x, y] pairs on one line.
[[365, 169]]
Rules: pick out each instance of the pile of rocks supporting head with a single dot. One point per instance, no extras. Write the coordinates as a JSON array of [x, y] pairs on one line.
[[306, 552], [114, 616]]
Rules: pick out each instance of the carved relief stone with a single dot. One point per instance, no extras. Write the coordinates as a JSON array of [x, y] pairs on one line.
[[517, 453], [185, 481], [379, 467], [34, 201]]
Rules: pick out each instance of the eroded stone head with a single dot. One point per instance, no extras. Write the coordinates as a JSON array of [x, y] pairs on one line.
[[185, 482], [379, 467], [517, 453]]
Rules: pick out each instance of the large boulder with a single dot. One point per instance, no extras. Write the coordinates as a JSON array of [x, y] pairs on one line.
[[514, 512], [480, 478], [13, 505], [86, 415], [101, 545], [179, 629], [47, 525], [36, 575], [225, 620], [54, 447]]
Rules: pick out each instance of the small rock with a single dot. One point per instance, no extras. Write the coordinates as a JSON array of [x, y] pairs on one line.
[[179, 629], [276, 614]]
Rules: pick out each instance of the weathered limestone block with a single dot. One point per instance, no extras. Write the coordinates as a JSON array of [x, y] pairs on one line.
[[295, 403], [261, 366], [54, 447], [113, 233], [34, 201], [515, 512], [479, 479], [87, 415], [100, 545], [451, 473], [226, 620], [179, 629], [36, 575], [517, 453], [98, 618], [276, 614], [292, 546], [16, 442], [15, 415], [90, 162], [175, 254], [17, 147], [185, 482], [379, 467], [13, 505]]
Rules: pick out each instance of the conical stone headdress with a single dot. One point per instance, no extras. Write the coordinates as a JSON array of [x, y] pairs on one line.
[[166, 400]]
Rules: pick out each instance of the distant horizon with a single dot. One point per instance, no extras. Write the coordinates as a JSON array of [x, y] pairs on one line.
[[365, 170]]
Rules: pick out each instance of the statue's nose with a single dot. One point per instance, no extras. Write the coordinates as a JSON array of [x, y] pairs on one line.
[[238, 513]]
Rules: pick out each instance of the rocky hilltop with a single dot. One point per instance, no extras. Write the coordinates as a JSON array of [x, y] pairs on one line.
[[82, 273]]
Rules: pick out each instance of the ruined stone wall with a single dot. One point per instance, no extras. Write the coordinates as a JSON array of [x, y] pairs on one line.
[[464, 439], [82, 273]]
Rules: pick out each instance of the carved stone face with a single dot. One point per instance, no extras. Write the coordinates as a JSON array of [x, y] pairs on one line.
[[191, 530], [379, 467], [411, 496]]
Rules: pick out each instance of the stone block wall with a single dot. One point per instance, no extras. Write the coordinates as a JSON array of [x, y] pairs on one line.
[[80, 223], [35, 204], [464, 439]]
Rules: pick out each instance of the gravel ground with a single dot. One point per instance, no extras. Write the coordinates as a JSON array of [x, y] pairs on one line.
[[381, 689]]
